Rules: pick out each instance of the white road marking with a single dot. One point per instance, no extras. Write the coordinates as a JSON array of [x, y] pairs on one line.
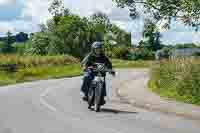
[[45, 93], [44, 103], [50, 107]]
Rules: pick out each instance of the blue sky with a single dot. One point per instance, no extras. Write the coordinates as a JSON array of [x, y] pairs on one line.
[[25, 15]]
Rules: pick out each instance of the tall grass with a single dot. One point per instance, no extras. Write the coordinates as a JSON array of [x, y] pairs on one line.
[[37, 67], [179, 78], [117, 63], [38, 73], [37, 60]]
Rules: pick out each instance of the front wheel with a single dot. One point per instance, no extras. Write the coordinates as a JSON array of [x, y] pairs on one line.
[[91, 95], [98, 96]]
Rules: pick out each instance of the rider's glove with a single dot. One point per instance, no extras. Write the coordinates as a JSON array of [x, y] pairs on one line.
[[113, 73]]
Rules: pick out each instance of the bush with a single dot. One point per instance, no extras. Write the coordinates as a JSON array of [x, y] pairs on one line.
[[197, 54], [120, 52], [164, 53], [141, 54]]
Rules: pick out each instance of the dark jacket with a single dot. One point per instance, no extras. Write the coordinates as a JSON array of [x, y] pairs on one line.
[[91, 59]]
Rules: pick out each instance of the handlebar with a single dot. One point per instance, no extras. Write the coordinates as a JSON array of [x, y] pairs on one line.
[[100, 69]]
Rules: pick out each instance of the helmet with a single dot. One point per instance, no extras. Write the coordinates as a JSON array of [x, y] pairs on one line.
[[96, 45]]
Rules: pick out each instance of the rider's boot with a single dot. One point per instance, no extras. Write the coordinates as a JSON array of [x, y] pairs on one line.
[[103, 101], [85, 98]]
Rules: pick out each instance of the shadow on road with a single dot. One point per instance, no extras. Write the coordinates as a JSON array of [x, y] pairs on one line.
[[115, 111]]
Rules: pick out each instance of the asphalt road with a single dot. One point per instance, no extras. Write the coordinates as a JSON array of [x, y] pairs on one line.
[[55, 106]]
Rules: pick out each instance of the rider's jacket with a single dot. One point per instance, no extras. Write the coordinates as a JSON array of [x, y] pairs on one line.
[[91, 59]]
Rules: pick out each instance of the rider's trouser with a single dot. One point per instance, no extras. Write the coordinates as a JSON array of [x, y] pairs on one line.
[[87, 79]]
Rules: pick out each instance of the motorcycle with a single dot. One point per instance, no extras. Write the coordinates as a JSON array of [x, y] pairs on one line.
[[95, 90]]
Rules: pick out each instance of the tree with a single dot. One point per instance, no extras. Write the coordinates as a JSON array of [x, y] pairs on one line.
[[7, 47], [186, 11], [1, 45], [151, 36], [101, 23], [57, 9], [40, 43], [21, 37]]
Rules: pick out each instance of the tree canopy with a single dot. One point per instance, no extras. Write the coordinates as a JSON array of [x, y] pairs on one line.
[[187, 11]]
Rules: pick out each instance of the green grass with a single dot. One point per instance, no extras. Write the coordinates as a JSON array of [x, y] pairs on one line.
[[48, 67], [171, 94], [39, 73], [131, 64], [36, 60], [177, 79]]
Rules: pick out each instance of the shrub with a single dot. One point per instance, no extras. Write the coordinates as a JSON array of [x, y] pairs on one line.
[[120, 52], [141, 54]]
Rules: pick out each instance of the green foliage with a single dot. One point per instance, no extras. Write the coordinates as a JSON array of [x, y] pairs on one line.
[[67, 33], [182, 46], [186, 11], [141, 54], [40, 42], [151, 36], [7, 45], [37, 60], [164, 53], [120, 52], [117, 63], [178, 79], [38, 73], [22, 48], [1, 45]]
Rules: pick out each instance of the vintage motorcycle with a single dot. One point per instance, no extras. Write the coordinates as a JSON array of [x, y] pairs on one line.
[[95, 90]]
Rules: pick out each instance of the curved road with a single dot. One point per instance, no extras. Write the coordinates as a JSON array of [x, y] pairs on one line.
[[55, 106]]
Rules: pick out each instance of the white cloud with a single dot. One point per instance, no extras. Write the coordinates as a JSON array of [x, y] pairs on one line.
[[36, 9], [7, 2], [17, 26], [87, 7], [34, 12], [5, 27]]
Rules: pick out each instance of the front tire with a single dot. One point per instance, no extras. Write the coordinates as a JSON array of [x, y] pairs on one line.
[[91, 95], [98, 96]]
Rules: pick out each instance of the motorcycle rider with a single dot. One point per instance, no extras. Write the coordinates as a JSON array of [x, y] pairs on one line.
[[95, 56]]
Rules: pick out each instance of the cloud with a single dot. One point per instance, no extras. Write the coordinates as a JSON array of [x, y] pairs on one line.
[[37, 10], [87, 7], [181, 37], [7, 2], [5, 27], [17, 26]]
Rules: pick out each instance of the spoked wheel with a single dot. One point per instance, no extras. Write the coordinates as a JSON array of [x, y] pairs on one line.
[[91, 95]]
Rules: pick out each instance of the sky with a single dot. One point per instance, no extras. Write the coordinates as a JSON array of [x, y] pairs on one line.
[[26, 15]]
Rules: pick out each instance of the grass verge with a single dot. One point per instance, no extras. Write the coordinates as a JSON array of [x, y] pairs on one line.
[[47, 67], [177, 79], [131, 64], [39, 73]]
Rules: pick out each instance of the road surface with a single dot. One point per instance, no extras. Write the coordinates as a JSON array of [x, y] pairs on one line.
[[55, 106]]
